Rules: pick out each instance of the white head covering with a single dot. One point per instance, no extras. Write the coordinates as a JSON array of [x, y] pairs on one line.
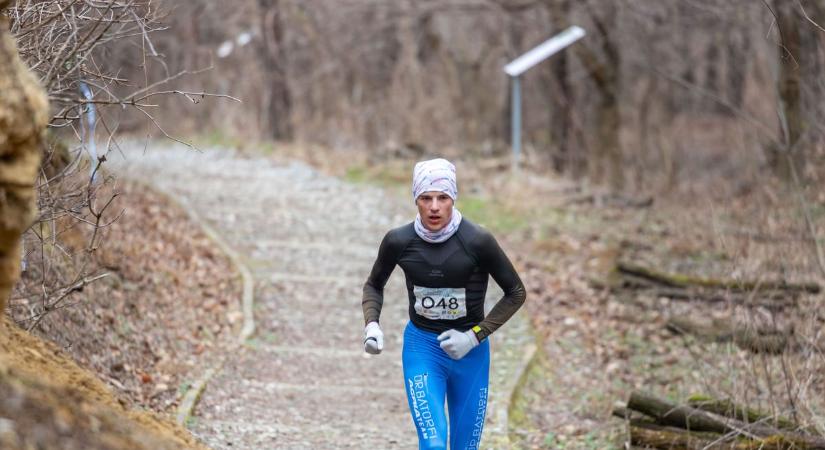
[[436, 175]]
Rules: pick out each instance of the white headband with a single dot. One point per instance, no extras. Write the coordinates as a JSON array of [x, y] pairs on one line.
[[434, 175]]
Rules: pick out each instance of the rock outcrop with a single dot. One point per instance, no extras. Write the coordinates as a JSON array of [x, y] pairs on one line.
[[23, 118]]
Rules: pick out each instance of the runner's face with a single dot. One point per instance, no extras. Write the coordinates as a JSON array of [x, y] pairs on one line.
[[435, 209]]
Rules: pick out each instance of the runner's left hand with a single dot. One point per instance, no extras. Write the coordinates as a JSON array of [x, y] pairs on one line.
[[457, 344]]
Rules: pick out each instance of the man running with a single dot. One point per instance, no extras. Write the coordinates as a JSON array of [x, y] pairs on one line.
[[446, 261]]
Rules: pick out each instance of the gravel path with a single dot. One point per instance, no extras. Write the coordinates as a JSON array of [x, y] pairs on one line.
[[303, 381]]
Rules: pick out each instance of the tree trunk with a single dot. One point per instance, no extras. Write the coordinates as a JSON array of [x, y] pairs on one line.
[[23, 118], [561, 93], [608, 155], [789, 88], [737, 50], [277, 101]]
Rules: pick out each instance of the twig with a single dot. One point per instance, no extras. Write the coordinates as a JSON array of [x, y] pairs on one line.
[[804, 13]]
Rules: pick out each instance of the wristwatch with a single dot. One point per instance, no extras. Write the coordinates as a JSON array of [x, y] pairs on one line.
[[477, 330]]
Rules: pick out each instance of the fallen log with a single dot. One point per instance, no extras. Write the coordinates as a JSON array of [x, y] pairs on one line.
[[772, 301], [694, 419], [680, 416], [684, 281], [621, 412], [771, 342], [712, 332], [727, 408], [634, 416], [759, 342], [653, 436], [615, 200]]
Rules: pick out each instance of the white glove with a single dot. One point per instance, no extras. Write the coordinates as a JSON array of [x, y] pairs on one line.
[[457, 344], [373, 338]]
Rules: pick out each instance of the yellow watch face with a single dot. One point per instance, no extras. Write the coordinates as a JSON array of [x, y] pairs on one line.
[[476, 329]]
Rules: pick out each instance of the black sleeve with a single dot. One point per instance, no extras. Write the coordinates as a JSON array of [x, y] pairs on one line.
[[373, 297], [495, 262]]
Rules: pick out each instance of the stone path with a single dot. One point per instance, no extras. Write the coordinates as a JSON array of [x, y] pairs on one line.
[[303, 381]]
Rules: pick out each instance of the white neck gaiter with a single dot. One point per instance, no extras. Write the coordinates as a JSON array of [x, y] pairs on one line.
[[435, 237], [436, 175]]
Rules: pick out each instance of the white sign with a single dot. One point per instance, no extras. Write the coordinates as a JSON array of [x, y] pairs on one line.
[[524, 62]]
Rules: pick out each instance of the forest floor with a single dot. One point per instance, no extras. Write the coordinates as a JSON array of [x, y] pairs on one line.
[[600, 343], [309, 236]]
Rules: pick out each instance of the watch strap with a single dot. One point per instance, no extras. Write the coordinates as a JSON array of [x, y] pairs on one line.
[[477, 330]]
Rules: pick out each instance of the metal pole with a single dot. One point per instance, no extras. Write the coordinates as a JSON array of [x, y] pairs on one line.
[[516, 121]]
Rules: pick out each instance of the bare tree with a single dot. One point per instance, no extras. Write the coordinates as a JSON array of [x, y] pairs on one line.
[[277, 99], [606, 161], [789, 86], [67, 45]]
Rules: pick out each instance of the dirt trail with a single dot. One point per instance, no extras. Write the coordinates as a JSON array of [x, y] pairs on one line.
[[303, 381]]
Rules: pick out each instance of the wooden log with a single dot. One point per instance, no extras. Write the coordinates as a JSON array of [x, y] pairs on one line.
[[771, 342], [623, 413], [684, 325], [773, 301], [680, 416], [727, 408], [684, 281], [669, 438], [633, 282], [693, 419], [655, 436], [761, 342]]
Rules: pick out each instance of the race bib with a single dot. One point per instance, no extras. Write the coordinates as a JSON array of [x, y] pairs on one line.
[[440, 303]]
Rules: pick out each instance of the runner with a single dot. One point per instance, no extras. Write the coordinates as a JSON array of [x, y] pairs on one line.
[[446, 261]]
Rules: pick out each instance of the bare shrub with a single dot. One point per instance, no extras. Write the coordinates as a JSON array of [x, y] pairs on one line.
[[68, 45]]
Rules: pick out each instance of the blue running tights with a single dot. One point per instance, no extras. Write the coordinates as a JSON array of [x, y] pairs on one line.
[[431, 376]]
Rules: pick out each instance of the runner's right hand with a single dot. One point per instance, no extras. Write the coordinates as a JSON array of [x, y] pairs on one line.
[[373, 338]]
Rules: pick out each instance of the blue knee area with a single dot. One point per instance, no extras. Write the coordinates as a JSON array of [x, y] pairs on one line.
[[425, 374], [439, 446], [467, 392], [432, 378]]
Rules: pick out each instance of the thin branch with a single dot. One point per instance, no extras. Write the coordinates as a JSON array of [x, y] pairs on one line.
[[804, 13]]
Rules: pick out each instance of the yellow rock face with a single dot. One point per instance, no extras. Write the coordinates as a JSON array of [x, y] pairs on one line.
[[23, 117]]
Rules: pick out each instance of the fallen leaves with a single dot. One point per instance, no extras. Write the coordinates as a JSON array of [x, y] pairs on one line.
[[140, 328]]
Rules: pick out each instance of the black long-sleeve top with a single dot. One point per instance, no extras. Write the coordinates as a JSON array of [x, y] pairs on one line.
[[446, 282]]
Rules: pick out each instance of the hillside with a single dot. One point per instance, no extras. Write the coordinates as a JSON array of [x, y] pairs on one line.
[[48, 401]]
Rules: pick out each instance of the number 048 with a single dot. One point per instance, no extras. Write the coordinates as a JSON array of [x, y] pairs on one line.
[[444, 303]]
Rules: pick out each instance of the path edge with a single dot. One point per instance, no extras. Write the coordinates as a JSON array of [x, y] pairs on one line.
[[497, 432], [194, 393]]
